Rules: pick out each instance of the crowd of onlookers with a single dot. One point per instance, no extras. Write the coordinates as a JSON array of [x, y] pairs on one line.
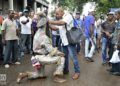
[[18, 29], [99, 34], [16, 35]]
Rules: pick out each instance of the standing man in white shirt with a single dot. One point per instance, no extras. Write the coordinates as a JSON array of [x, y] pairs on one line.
[[26, 32], [67, 48], [10, 39]]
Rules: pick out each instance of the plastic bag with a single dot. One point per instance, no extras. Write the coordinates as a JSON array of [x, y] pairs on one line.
[[115, 58]]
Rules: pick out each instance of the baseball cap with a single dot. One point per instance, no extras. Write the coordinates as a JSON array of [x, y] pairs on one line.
[[110, 13], [25, 10], [77, 12]]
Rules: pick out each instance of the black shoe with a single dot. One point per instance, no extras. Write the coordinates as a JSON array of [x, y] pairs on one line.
[[109, 64], [110, 70], [66, 72], [89, 59], [31, 52], [86, 58], [104, 63]]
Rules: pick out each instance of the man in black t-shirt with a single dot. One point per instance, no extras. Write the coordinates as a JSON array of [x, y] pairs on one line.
[[108, 28]]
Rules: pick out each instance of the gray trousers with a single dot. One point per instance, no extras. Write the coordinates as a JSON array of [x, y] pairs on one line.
[[11, 50], [47, 60]]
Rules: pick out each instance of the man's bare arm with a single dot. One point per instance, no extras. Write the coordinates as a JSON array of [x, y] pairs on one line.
[[60, 22], [53, 27], [3, 37], [3, 34], [91, 30]]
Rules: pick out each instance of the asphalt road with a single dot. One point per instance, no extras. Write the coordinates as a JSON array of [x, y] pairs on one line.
[[92, 74]]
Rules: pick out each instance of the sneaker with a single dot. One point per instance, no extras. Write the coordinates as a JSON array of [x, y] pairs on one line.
[[86, 58], [116, 73], [17, 63], [22, 54], [104, 63], [7, 66], [31, 52]]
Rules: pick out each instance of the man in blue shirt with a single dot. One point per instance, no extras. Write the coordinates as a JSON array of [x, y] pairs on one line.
[[89, 35], [79, 24]]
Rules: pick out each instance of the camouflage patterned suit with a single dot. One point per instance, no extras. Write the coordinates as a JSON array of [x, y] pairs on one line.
[[116, 34], [46, 53]]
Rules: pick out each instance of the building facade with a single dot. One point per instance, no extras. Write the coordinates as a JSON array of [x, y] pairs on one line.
[[19, 5]]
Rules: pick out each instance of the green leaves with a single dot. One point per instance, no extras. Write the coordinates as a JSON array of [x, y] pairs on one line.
[[103, 5]]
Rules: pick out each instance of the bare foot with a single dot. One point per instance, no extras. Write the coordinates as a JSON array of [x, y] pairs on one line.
[[21, 76]]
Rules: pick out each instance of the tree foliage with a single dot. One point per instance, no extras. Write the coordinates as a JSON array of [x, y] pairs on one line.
[[105, 5], [66, 3], [102, 5]]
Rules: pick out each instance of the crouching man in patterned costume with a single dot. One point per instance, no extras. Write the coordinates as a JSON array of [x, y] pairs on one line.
[[115, 60], [45, 54]]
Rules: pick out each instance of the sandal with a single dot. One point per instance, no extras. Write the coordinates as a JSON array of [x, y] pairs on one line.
[[76, 76]]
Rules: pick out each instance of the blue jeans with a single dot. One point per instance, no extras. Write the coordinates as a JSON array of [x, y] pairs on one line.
[[106, 43], [104, 48], [78, 47], [26, 42], [56, 41], [70, 51], [11, 49], [66, 65]]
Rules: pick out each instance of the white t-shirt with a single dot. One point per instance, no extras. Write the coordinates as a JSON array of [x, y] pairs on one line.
[[69, 21], [63, 36], [98, 24], [25, 28], [55, 32]]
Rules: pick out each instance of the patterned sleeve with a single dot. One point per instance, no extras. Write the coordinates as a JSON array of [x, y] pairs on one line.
[[48, 44]]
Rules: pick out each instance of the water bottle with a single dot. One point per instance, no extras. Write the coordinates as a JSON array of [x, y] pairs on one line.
[[35, 63]]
